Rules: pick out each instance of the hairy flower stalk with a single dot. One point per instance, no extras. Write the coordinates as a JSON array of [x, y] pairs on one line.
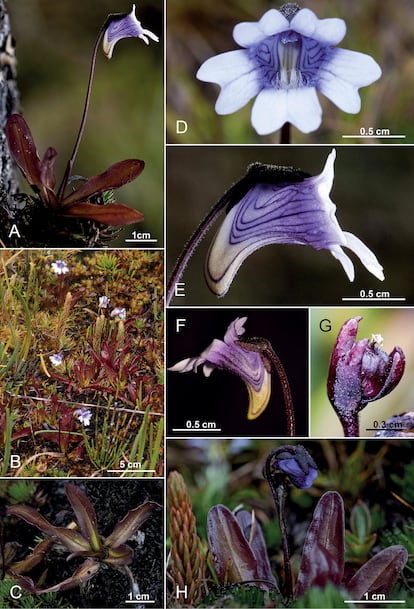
[[293, 465], [187, 565]]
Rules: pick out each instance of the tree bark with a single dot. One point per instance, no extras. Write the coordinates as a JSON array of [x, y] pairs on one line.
[[9, 103]]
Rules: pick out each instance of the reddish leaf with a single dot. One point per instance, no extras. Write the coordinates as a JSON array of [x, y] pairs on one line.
[[85, 515], [115, 214], [38, 174], [33, 559], [130, 524], [121, 555], [47, 168], [233, 558], [379, 573], [114, 177], [79, 578], [324, 547], [254, 535], [72, 540], [62, 438], [23, 149]]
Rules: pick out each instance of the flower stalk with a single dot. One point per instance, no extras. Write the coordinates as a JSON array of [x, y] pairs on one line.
[[288, 465]]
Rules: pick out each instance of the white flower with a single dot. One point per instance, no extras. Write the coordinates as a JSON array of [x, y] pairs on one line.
[[103, 302], [284, 61], [84, 416], [56, 359], [59, 267], [125, 26]]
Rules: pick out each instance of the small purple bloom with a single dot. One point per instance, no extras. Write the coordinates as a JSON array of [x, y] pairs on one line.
[[246, 364], [59, 267], [300, 213], [286, 57], [360, 372], [118, 312], [295, 462], [125, 26], [84, 416], [56, 359]]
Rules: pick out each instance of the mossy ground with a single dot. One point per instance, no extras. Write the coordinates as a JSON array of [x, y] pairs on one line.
[[112, 363]]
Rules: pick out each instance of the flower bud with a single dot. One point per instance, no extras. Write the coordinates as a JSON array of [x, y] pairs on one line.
[[359, 371], [293, 463]]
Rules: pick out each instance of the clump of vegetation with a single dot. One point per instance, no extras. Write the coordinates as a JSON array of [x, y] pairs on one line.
[[319, 552], [81, 361]]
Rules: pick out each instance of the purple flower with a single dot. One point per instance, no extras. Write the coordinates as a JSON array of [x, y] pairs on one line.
[[360, 372], [125, 25], [246, 364], [84, 416], [286, 57], [118, 312], [59, 267], [294, 462], [269, 212]]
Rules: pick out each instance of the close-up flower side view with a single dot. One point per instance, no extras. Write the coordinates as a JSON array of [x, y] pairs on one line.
[[238, 372], [206, 304], [341, 202]]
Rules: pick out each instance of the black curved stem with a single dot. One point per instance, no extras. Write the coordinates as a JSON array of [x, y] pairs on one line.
[[264, 347], [279, 497]]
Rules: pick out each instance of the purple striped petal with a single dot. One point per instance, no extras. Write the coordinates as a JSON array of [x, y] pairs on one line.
[[244, 363], [299, 213]]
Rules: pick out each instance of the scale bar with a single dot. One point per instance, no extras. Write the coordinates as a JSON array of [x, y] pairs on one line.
[[387, 429], [382, 137], [141, 241], [357, 298], [382, 601], [131, 471], [136, 602], [197, 429]]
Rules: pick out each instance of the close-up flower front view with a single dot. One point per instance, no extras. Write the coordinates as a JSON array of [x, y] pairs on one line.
[[289, 55], [315, 71]]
